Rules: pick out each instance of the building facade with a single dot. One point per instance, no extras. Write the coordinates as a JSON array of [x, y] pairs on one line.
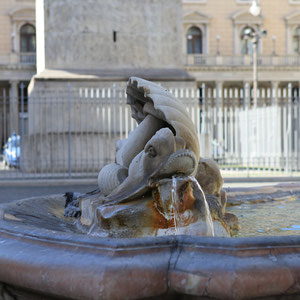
[[213, 49], [218, 50], [17, 60]]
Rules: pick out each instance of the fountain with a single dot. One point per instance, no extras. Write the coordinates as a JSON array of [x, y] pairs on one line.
[[151, 189], [155, 228]]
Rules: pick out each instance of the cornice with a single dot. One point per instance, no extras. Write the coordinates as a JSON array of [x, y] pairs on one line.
[[20, 7], [12, 67], [241, 68]]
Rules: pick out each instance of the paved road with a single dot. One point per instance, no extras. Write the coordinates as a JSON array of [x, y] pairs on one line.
[[9, 193]]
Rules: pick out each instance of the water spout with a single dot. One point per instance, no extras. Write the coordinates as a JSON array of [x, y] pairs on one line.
[[209, 218], [191, 213]]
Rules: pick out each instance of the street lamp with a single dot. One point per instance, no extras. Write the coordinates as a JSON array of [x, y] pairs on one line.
[[254, 42], [255, 11]]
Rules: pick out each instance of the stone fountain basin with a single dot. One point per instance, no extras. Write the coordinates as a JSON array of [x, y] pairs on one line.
[[42, 255]]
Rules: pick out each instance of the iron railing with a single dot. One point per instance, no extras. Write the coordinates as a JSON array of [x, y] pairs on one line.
[[28, 58], [71, 131]]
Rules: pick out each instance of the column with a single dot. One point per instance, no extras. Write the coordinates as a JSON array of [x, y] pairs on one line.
[[274, 86], [287, 39], [13, 108], [220, 119], [245, 127], [14, 38], [235, 39], [206, 39], [276, 119], [247, 94]]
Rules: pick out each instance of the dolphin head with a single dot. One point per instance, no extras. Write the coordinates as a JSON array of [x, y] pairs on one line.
[[164, 155]]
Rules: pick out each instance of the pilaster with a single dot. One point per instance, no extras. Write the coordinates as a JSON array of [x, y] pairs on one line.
[[13, 107], [274, 86]]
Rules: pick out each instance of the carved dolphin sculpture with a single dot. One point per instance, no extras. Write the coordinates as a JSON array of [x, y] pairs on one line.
[[146, 97], [164, 144], [163, 156]]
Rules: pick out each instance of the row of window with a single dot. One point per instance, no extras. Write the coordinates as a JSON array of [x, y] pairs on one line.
[[195, 40]]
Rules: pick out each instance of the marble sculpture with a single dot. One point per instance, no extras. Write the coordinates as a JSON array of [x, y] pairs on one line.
[[158, 184]]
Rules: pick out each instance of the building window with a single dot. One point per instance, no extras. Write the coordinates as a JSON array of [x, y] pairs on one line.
[[27, 38], [296, 40], [246, 41], [27, 44], [194, 41]]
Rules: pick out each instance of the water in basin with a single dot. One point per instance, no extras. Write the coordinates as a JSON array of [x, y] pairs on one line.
[[270, 218]]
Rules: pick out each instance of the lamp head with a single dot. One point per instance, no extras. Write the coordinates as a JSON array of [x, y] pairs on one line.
[[264, 33], [255, 8]]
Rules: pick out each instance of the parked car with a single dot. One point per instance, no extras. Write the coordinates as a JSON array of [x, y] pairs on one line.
[[11, 151]]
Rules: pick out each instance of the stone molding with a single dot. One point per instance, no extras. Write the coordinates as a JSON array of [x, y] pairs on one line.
[[196, 17], [293, 17], [22, 12], [241, 68], [243, 16]]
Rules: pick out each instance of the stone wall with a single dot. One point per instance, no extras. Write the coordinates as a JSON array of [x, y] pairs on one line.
[[111, 34]]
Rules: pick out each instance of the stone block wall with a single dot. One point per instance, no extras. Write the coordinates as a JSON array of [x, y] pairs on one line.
[[109, 34]]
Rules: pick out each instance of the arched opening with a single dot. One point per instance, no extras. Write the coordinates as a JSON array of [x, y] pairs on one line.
[[246, 40], [296, 40], [194, 41], [27, 44], [27, 39]]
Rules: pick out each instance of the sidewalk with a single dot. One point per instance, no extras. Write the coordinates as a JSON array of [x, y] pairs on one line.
[[254, 184], [15, 190]]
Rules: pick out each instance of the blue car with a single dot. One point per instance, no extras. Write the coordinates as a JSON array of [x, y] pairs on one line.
[[11, 151]]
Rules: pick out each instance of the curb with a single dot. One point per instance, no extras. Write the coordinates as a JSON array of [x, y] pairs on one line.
[[47, 182], [260, 179]]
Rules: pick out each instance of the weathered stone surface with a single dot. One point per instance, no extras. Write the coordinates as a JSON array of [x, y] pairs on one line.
[[49, 261], [155, 25], [45, 254], [209, 176], [172, 209]]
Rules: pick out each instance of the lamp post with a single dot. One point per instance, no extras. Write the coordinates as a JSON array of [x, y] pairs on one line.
[[255, 11], [254, 42]]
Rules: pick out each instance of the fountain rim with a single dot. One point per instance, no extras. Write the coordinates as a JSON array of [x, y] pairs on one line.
[[232, 244], [52, 257], [87, 241], [227, 243]]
